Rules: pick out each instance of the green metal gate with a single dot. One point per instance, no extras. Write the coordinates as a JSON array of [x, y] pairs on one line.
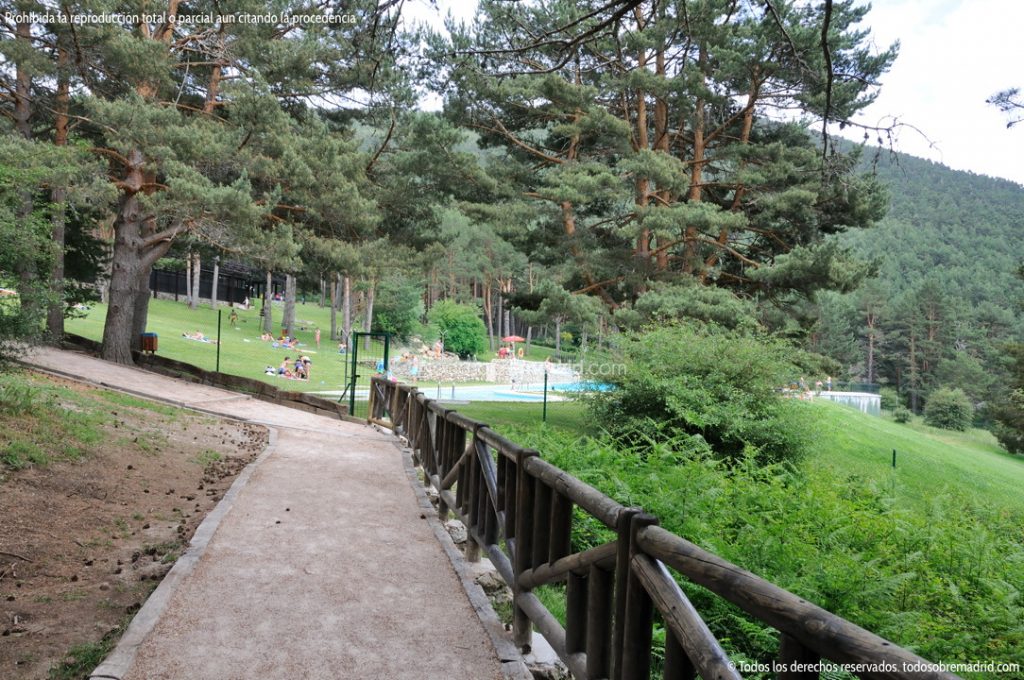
[[369, 358]]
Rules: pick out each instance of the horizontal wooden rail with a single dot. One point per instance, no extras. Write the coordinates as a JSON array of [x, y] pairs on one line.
[[602, 556], [518, 510], [830, 636], [587, 497]]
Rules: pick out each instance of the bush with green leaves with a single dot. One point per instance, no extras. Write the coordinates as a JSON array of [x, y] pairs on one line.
[[889, 398], [949, 409], [460, 328], [398, 307], [901, 414], [1008, 411], [703, 380]]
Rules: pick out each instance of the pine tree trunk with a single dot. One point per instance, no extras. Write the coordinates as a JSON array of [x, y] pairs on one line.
[[558, 337], [871, 349], [499, 317], [370, 294], [323, 295], [529, 338], [346, 315], [288, 318], [489, 314], [268, 321], [188, 279], [140, 313], [913, 375], [216, 276], [55, 313], [197, 273], [26, 268], [334, 306], [125, 269]]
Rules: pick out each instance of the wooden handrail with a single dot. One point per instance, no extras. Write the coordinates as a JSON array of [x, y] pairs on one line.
[[830, 636], [518, 510]]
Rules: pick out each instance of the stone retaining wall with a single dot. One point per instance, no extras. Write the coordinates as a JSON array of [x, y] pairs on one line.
[[500, 372]]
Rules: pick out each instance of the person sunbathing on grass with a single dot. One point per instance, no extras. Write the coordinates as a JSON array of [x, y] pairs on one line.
[[267, 337], [199, 337]]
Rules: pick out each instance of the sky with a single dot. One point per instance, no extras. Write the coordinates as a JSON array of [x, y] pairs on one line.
[[954, 54]]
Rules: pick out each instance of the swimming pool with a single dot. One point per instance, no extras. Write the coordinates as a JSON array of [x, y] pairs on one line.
[[530, 392]]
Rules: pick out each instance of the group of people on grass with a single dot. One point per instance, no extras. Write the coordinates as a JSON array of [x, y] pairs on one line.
[[299, 369]]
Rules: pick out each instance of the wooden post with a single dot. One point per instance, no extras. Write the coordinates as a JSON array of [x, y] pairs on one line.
[[575, 613], [541, 523], [561, 527], [639, 618], [522, 630], [792, 653], [375, 408], [472, 510], [511, 500], [621, 575], [600, 592], [677, 664]]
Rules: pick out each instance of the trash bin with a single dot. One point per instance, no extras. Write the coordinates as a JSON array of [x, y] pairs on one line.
[[149, 342]]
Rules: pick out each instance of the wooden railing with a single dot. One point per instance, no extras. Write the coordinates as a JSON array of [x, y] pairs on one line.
[[518, 510]]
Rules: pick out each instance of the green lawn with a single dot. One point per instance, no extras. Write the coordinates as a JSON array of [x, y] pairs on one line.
[[501, 416], [242, 351]]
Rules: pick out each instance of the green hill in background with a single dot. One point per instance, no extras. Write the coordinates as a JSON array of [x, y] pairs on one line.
[[947, 297]]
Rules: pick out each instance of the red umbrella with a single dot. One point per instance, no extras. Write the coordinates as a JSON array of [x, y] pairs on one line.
[[513, 338]]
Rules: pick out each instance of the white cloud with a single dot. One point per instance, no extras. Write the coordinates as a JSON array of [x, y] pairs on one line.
[[953, 56]]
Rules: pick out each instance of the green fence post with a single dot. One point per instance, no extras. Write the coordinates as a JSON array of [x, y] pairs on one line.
[[544, 417], [218, 338]]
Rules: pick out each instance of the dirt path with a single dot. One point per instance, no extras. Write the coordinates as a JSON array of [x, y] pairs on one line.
[[322, 565]]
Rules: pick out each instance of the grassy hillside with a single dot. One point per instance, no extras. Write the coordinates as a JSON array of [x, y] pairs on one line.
[[929, 461]]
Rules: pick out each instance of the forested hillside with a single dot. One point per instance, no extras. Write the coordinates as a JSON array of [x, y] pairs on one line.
[[947, 295]]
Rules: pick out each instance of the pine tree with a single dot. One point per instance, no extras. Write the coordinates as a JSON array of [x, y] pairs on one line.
[[654, 133]]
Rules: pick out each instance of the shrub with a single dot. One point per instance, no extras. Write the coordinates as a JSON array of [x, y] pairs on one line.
[[460, 328], [709, 382], [949, 409], [398, 307], [890, 398], [1009, 426], [901, 414]]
